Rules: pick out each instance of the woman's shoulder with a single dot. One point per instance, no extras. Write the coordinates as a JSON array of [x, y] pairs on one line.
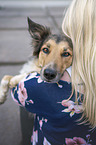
[[31, 76]]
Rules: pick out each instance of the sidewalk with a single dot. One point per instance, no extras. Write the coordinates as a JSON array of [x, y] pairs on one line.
[[14, 51]]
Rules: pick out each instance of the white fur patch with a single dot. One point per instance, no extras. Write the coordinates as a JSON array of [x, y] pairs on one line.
[[3, 90], [2, 95], [29, 67], [4, 83]]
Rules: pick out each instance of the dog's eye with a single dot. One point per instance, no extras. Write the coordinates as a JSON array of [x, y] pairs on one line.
[[65, 54], [45, 50]]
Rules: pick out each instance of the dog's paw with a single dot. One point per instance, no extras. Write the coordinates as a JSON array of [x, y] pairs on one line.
[[4, 86], [2, 99], [2, 96], [13, 82], [3, 90]]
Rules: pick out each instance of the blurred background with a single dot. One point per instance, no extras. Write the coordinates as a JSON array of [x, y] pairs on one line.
[[15, 49]]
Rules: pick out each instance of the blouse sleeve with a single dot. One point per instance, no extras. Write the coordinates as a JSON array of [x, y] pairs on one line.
[[20, 95], [24, 93]]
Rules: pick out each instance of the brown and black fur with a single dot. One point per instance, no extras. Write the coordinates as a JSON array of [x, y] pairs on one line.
[[41, 34]]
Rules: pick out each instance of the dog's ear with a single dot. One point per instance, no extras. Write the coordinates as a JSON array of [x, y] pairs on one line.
[[39, 34]]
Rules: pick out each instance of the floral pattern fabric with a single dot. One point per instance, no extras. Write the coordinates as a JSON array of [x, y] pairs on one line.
[[55, 119]]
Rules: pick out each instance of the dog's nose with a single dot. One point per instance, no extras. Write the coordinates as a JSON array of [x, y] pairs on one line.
[[50, 74]]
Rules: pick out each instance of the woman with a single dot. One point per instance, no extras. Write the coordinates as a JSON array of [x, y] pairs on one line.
[[56, 112], [80, 25]]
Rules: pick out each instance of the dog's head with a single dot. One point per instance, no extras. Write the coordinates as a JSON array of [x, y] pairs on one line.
[[54, 52]]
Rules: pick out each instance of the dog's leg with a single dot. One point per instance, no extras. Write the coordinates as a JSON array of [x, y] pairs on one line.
[[8, 82], [16, 79], [4, 86]]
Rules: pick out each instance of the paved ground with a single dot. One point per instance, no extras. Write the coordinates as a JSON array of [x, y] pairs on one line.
[[14, 51]]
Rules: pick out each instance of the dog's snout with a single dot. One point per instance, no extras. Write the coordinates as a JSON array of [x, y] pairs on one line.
[[50, 74]]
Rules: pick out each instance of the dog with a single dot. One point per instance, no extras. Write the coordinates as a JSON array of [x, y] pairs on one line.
[[52, 56]]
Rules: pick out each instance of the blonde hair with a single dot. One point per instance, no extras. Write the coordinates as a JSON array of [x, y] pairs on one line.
[[80, 25]]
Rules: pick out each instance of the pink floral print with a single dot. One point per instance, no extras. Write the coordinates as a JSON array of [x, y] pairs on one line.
[[45, 142], [34, 137], [72, 107], [12, 94], [41, 121], [76, 141], [34, 75], [22, 94]]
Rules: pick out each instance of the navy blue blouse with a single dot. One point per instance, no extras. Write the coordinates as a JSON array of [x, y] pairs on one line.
[[55, 119]]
